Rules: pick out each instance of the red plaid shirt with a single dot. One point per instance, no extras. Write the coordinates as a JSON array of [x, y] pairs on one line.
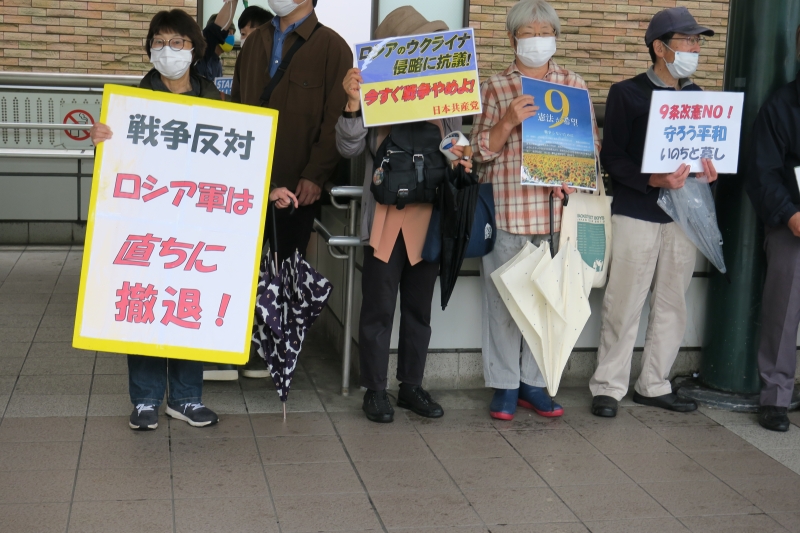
[[524, 210]]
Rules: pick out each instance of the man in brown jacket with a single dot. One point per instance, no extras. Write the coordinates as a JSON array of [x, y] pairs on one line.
[[310, 99]]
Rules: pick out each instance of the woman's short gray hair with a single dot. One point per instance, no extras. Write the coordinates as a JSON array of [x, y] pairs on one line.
[[528, 11]]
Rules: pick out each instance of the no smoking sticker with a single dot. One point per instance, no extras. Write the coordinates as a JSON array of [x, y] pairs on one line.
[[78, 116]]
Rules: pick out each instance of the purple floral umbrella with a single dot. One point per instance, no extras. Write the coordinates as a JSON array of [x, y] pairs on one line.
[[287, 305]]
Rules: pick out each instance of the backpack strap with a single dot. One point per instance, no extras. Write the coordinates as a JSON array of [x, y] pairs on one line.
[[287, 58]]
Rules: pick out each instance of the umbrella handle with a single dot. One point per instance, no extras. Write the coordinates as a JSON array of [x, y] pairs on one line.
[[274, 237], [564, 202], [273, 243]]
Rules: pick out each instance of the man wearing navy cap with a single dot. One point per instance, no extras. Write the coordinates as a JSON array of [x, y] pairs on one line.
[[649, 250]]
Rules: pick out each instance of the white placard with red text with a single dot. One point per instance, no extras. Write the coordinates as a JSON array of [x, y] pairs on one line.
[[175, 227], [686, 126]]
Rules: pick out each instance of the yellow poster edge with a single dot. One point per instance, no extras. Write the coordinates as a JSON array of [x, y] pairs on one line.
[[161, 350]]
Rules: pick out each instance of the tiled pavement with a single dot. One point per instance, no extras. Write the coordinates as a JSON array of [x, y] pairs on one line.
[[69, 463]]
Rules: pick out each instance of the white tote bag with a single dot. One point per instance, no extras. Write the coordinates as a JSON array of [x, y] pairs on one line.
[[586, 220]]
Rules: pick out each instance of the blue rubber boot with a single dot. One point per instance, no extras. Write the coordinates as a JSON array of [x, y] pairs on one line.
[[504, 404], [536, 398]]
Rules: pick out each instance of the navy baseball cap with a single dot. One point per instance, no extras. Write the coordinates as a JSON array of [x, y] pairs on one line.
[[674, 20]]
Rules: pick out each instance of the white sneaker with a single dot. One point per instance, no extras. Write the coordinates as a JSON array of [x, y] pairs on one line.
[[255, 368], [220, 373]]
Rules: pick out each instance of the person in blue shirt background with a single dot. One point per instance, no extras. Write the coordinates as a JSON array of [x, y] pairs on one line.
[[219, 35], [251, 18]]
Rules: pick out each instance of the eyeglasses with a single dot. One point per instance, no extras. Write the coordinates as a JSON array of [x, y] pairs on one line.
[[529, 34], [176, 43], [691, 40]]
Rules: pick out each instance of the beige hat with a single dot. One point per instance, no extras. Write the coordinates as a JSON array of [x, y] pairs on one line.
[[407, 21]]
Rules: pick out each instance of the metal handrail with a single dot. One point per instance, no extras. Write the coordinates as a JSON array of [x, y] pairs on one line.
[[326, 234], [344, 191], [347, 191], [43, 80], [35, 126], [344, 242], [350, 242], [40, 153]]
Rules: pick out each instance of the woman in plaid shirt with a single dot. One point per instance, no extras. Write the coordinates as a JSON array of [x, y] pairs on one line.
[[522, 212]]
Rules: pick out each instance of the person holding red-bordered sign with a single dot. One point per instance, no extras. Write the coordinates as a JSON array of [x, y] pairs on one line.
[[174, 42]]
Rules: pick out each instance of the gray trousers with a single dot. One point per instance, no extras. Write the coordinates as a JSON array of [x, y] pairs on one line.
[[780, 316], [503, 365]]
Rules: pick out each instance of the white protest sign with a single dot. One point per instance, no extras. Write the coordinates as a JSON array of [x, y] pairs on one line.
[[687, 126], [175, 227]]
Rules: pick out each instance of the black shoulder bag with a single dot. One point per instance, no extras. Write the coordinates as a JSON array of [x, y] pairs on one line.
[[276, 79]]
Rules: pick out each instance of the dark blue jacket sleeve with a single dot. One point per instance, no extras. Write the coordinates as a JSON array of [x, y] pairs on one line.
[[616, 137], [214, 35], [765, 181]]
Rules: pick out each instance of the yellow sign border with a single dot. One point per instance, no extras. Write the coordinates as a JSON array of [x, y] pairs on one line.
[[162, 350]]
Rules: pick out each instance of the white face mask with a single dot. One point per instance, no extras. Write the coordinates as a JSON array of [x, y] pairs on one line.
[[685, 64], [534, 52], [241, 42], [284, 7], [171, 64]]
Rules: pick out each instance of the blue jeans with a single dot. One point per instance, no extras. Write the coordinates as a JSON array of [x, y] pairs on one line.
[[148, 378]]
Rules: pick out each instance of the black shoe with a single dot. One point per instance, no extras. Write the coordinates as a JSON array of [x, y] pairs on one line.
[[377, 407], [670, 401], [417, 400], [773, 418], [196, 414], [144, 417], [604, 406]]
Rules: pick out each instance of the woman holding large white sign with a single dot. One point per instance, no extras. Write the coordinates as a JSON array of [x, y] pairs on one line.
[[174, 42], [522, 211]]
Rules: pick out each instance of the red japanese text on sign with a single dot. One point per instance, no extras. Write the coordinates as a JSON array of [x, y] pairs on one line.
[[137, 249], [212, 195]]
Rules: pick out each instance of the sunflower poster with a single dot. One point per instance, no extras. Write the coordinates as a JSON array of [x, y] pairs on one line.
[[558, 141]]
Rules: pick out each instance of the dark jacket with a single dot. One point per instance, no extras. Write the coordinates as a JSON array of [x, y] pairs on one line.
[[210, 67], [200, 86], [624, 132], [309, 99], [771, 181]]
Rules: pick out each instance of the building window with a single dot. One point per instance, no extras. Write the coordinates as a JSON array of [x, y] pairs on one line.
[[206, 8], [355, 20], [451, 11], [352, 19]]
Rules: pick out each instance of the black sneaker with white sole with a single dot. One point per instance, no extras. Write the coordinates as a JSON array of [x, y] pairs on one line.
[[196, 414], [144, 417]]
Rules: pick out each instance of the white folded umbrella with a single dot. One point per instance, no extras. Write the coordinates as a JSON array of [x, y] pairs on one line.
[[549, 301]]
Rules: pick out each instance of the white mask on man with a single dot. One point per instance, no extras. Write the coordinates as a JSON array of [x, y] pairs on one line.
[[534, 52], [171, 64], [284, 7], [684, 65]]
